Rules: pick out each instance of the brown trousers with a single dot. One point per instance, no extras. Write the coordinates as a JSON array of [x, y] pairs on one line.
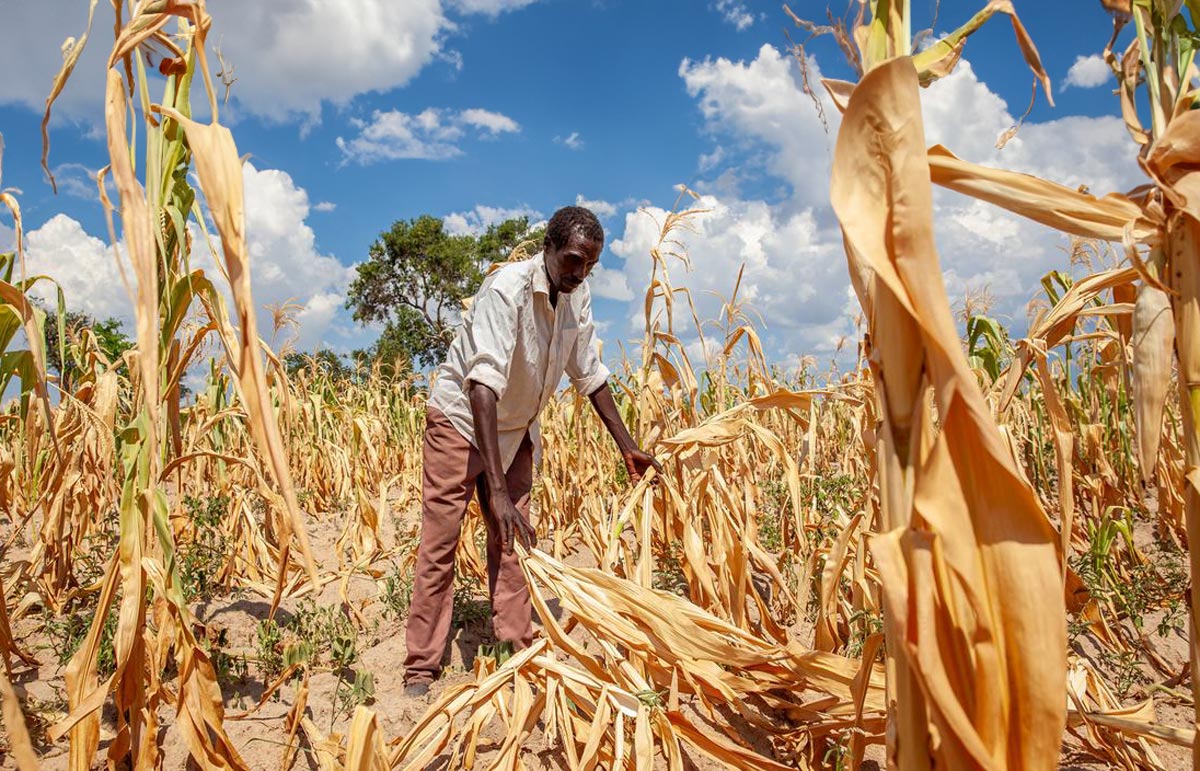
[[453, 469]]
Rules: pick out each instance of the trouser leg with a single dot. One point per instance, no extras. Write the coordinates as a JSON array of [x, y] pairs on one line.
[[511, 612], [450, 469]]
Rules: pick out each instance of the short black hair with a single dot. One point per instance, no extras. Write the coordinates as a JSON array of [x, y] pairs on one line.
[[572, 219]]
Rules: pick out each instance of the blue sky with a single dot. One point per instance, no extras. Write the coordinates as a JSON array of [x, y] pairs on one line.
[[472, 109]]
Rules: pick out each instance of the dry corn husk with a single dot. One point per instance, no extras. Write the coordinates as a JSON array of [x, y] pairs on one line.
[[1153, 345]]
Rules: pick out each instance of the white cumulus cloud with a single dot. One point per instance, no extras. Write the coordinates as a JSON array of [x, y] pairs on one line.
[[1087, 72], [735, 12], [492, 122], [763, 103], [368, 45], [79, 181], [490, 7], [84, 267], [602, 209], [431, 134], [476, 221], [790, 262], [610, 284], [795, 270], [275, 49], [285, 263], [289, 56], [709, 161]]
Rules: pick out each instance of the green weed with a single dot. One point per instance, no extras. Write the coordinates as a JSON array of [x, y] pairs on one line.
[[1124, 669], [228, 667], [668, 575], [362, 691], [468, 611], [202, 556], [67, 631], [501, 651], [397, 593]]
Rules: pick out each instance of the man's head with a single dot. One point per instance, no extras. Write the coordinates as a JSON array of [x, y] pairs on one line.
[[572, 247]]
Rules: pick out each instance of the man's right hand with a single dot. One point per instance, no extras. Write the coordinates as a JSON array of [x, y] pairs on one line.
[[512, 523]]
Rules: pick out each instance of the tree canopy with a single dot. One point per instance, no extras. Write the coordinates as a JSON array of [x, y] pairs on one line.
[[322, 361], [416, 277], [109, 337]]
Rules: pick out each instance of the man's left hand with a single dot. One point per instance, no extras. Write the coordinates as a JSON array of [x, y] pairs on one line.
[[637, 463]]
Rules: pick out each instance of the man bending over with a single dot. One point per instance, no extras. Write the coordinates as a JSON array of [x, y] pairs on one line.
[[530, 322]]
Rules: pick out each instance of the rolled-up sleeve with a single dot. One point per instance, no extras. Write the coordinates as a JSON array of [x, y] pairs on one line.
[[584, 367], [491, 336]]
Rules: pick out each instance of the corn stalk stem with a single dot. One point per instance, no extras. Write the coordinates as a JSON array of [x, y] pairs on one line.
[[1148, 50], [1183, 238]]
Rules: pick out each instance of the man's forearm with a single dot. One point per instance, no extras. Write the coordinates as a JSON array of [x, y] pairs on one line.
[[606, 408], [483, 411]]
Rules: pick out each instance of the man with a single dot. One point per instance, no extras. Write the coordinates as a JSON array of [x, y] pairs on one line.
[[530, 322]]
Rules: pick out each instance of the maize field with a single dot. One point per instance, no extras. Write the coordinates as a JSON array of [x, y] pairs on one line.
[[962, 551]]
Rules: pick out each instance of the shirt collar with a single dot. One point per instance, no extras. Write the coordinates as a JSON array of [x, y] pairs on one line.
[[540, 282]]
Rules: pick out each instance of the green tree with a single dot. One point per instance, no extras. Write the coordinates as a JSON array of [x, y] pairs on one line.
[[110, 339], [416, 277], [321, 361]]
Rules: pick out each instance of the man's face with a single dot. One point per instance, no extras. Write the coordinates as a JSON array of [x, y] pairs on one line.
[[571, 263]]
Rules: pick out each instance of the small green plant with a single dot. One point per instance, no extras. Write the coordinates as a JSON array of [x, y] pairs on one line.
[[1143, 588], [655, 700], [863, 624], [339, 507], [343, 652], [67, 631], [1102, 537], [42, 714], [467, 609], [270, 648], [397, 593], [314, 635], [501, 651], [1125, 671], [828, 493], [668, 575], [770, 536], [838, 755], [325, 627], [1076, 626], [90, 562], [298, 651], [775, 503], [202, 556], [362, 691], [343, 644], [228, 667], [826, 497], [1174, 620]]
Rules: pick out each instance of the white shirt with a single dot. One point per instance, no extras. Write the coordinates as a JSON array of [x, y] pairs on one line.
[[514, 342]]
